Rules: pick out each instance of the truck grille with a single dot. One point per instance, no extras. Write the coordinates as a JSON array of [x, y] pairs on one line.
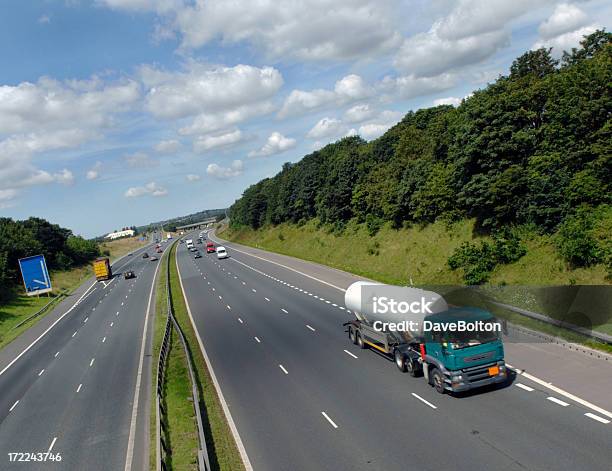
[[478, 357], [476, 373]]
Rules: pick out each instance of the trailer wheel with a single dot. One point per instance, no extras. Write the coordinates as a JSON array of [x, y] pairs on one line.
[[400, 361], [360, 342], [352, 335], [437, 379], [411, 367]]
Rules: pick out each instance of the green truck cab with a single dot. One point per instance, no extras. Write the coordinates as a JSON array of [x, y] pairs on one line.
[[460, 361]]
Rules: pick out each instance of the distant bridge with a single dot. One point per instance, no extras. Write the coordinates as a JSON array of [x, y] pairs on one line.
[[197, 225]]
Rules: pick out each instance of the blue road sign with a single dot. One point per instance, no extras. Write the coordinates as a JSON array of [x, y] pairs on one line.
[[35, 275]]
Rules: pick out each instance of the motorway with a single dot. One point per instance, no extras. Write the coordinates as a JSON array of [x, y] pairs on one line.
[[303, 397], [73, 391]]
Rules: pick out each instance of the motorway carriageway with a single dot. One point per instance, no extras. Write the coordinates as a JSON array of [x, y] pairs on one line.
[[304, 398], [72, 392]]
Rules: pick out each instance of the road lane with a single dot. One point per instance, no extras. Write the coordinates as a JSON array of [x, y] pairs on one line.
[[84, 397], [368, 401]]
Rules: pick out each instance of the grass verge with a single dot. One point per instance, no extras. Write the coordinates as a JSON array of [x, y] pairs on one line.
[[19, 307], [222, 450]]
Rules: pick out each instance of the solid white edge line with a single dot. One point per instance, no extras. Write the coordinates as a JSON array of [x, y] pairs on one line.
[[591, 416], [333, 424], [25, 350], [557, 401], [522, 386], [232, 425], [560, 391], [132, 437], [424, 401]]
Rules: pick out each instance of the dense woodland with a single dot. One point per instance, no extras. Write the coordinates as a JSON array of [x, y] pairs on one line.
[[61, 248], [531, 151]]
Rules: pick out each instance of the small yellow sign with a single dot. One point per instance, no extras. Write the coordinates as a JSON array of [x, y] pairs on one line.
[[494, 371]]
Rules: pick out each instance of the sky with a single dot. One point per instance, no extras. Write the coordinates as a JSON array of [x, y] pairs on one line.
[[116, 113]]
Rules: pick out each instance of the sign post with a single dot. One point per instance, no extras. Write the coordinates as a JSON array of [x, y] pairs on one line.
[[35, 275]]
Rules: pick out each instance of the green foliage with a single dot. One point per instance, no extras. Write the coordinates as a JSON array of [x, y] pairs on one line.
[[526, 150], [478, 261], [584, 238], [34, 236]]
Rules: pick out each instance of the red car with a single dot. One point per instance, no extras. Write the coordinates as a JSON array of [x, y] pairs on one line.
[[210, 247]]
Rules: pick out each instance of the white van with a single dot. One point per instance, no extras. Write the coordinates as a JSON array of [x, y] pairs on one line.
[[221, 252]]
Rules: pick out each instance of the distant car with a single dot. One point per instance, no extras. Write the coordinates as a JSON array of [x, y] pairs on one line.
[[221, 252], [198, 255], [130, 254], [153, 259], [193, 249], [210, 248], [129, 274], [159, 250], [145, 255]]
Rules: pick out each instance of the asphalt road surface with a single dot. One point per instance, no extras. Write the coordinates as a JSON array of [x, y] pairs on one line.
[[304, 398], [72, 392]]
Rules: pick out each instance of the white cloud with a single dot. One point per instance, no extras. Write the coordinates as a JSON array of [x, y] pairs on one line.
[[228, 139], [327, 127], [94, 172], [430, 54], [140, 160], [358, 113], [564, 29], [167, 147], [50, 105], [377, 126], [346, 90], [471, 18], [275, 144], [202, 89], [451, 100], [224, 173], [305, 30], [211, 122], [193, 177], [65, 177], [408, 86], [566, 18], [566, 41], [44, 19], [151, 188]]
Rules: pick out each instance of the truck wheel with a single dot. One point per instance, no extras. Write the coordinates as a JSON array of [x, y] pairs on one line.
[[437, 379], [411, 367], [400, 361], [352, 335], [360, 341]]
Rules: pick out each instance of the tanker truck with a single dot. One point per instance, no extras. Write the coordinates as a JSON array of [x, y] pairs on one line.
[[455, 349]]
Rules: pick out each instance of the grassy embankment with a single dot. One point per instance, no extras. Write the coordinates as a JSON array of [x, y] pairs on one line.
[[222, 450], [420, 254], [20, 307]]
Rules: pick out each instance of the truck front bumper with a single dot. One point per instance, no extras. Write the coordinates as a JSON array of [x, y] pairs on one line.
[[463, 382]]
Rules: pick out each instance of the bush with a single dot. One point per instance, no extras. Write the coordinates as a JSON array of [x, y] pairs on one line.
[[584, 237], [478, 261], [373, 224]]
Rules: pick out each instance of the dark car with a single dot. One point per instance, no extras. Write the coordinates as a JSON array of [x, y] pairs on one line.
[[129, 274], [198, 255], [145, 255]]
